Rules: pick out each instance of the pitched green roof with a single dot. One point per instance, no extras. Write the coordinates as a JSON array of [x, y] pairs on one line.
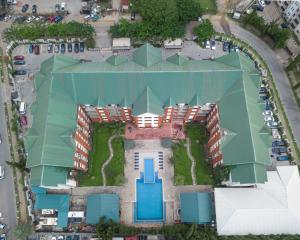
[[102, 205], [196, 207], [116, 60], [231, 81], [147, 102], [147, 55], [48, 176], [177, 59], [60, 202], [169, 102], [195, 101]]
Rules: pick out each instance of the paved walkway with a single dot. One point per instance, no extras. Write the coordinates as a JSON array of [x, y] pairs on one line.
[[188, 150], [111, 155]]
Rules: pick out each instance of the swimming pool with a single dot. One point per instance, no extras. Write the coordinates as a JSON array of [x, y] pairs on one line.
[[149, 171], [149, 204]]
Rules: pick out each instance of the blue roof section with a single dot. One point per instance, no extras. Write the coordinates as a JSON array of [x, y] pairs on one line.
[[38, 190], [102, 205], [60, 202], [196, 207]]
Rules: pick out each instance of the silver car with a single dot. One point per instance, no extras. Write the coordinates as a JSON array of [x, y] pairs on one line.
[[1, 172]]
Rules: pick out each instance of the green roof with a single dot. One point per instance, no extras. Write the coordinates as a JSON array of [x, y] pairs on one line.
[[196, 207], [60, 202], [48, 176], [62, 83], [177, 59], [116, 60], [147, 102], [147, 55], [102, 205]]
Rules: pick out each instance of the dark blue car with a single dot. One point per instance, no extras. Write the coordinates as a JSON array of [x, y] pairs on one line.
[[20, 72], [279, 150], [81, 47], [268, 105], [278, 144], [62, 48]]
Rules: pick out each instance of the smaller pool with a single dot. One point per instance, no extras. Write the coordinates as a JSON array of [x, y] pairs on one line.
[[149, 175]]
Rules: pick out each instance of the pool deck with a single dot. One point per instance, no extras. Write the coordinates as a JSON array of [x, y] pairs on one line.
[[148, 149]]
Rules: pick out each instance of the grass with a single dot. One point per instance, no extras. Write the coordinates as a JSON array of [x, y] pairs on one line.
[[208, 6], [98, 155], [199, 137], [114, 171], [182, 165]]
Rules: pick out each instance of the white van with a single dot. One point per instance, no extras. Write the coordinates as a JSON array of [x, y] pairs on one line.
[[1, 172], [22, 108]]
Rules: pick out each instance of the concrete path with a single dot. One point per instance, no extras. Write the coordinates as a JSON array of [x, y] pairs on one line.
[[111, 155], [188, 150]]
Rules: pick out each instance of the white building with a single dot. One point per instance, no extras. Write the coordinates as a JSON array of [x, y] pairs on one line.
[[291, 13], [270, 208]]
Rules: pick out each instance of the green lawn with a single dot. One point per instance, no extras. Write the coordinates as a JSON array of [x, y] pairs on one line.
[[98, 155], [182, 165], [208, 6], [199, 137], [114, 171]]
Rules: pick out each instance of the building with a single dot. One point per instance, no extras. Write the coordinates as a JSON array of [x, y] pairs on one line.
[[270, 208], [196, 207], [102, 205], [121, 44], [291, 13], [149, 92], [173, 44]]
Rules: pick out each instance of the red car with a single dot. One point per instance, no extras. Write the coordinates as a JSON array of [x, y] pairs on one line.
[[19, 57], [51, 19], [23, 120]]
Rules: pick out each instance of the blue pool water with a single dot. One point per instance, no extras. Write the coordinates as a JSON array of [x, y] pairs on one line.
[[149, 171], [149, 196]]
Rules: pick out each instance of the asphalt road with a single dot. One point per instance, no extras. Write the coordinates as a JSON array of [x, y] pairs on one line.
[[279, 76], [7, 192]]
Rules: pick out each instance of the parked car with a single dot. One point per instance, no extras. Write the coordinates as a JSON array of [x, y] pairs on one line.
[[81, 47], [76, 237], [69, 47], [63, 6], [19, 57], [267, 113], [263, 90], [269, 118], [2, 226], [57, 8], [76, 48], [58, 19], [37, 49], [132, 17], [278, 143], [69, 237], [56, 48], [3, 236], [50, 48], [264, 97], [60, 237], [30, 48], [2, 174], [226, 46], [0, 139], [213, 44], [284, 25], [53, 238], [23, 120], [268, 105], [25, 8], [262, 3], [259, 8], [283, 158], [207, 44], [19, 62], [34, 9], [272, 125], [279, 150], [95, 18], [20, 72], [51, 19], [62, 48], [8, 17]]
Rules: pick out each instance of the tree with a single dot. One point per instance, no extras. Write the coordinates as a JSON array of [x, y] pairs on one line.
[[204, 31], [23, 230], [188, 10], [19, 165], [105, 229]]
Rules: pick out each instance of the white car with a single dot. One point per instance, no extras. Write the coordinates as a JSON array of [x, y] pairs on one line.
[[61, 237], [29, 19], [272, 124], [267, 113], [53, 238], [213, 44], [269, 118], [207, 44], [262, 3], [63, 6], [1, 176]]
